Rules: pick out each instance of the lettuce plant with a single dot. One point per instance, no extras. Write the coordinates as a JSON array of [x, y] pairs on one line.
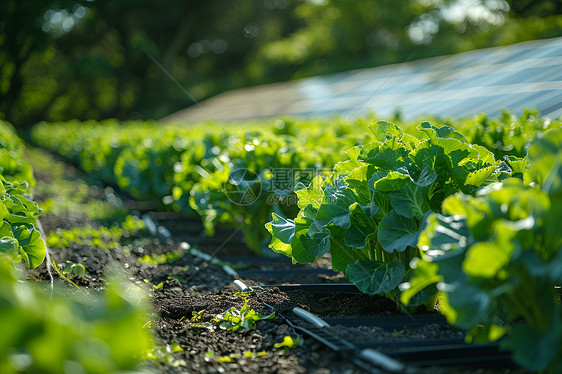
[[368, 214], [497, 260], [19, 239], [243, 188], [61, 332]]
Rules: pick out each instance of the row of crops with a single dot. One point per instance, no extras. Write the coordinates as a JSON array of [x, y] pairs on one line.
[[55, 331], [463, 214]]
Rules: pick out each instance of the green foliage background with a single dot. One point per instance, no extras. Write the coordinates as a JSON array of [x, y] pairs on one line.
[[91, 59]]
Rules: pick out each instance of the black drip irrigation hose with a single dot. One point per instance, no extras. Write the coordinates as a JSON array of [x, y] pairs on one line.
[[373, 356]]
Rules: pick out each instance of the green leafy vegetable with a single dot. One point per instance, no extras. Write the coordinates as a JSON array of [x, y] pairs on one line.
[[497, 259], [242, 320], [369, 213]]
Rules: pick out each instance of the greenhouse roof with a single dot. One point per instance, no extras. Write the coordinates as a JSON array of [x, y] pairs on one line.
[[523, 75]]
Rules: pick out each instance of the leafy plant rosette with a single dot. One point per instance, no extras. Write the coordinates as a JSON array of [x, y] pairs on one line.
[[244, 185], [19, 240], [497, 259], [13, 166], [60, 332], [18, 214], [507, 135], [368, 215]]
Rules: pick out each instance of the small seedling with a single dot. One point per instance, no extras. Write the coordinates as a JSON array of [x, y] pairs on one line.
[[397, 333], [165, 354], [73, 269], [287, 344], [244, 319]]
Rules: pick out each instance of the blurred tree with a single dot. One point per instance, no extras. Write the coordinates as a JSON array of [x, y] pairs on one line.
[[62, 59], [534, 8], [20, 37]]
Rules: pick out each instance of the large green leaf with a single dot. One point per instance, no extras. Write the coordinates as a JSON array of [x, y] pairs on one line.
[[478, 177], [374, 277], [545, 157], [334, 214], [5, 229], [411, 201], [424, 274], [391, 155], [396, 232], [469, 305], [9, 247], [342, 255], [281, 228], [312, 195], [316, 245], [358, 179], [385, 182], [31, 245], [443, 236], [355, 237], [3, 211], [384, 130], [486, 259], [443, 132], [426, 176]]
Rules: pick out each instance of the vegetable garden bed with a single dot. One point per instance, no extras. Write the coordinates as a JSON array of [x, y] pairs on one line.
[[109, 263], [184, 342]]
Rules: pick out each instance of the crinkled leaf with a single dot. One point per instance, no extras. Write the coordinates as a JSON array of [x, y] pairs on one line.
[[341, 254], [485, 259], [334, 214], [469, 306], [427, 176], [391, 155], [317, 245], [440, 132], [281, 228], [443, 236], [9, 246], [375, 277], [384, 130], [386, 182], [359, 181], [396, 232], [311, 195], [346, 167], [411, 201], [478, 177], [32, 245], [355, 237]]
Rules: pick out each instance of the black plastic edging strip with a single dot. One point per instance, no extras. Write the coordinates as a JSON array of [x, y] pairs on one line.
[[347, 288], [258, 260], [502, 360], [390, 322], [452, 355], [409, 343], [286, 272]]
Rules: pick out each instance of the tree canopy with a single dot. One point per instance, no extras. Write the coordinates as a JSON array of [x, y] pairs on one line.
[[65, 59]]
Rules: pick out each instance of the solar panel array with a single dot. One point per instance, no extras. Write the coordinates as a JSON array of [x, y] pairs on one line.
[[524, 75]]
